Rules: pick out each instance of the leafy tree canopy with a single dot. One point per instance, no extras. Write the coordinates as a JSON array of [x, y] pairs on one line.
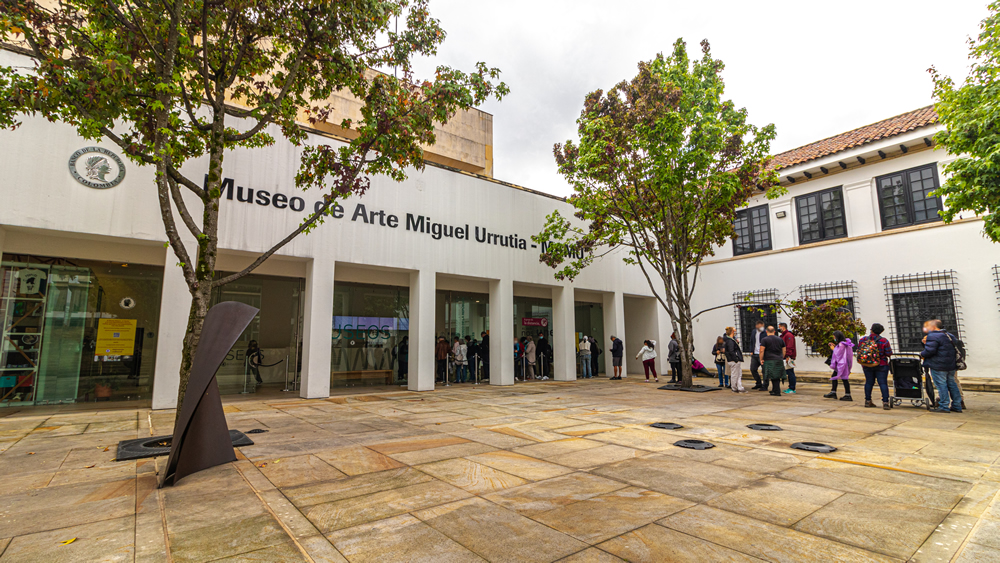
[[970, 113], [662, 165]]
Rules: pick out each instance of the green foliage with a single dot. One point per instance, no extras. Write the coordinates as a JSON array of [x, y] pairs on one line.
[[971, 115], [661, 167], [815, 324]]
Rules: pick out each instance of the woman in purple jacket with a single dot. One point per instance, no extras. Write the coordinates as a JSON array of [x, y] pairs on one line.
[[841, 361]]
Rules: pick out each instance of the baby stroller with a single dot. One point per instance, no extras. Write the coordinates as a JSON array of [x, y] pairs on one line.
[[910, 382]]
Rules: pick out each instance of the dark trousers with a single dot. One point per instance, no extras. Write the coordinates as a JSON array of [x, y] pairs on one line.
[[791, 378], [774, 384], [878, 374], [486, 367], [755, 370], [442, 370], [675, 371], [847, 386]]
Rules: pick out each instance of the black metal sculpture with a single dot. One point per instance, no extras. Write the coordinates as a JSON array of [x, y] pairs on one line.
[[201, 436]]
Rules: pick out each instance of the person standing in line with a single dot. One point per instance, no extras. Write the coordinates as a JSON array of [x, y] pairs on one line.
[[874, 352], [544, 353], [758, 335], [484, 351], [734, 361], [473, 356], [790, 354], [404, 357], [772, 358], [674, 358], [441, 356], [941, 356], [595, 352], [648, 353], [617, 351], [519, 359], [460, 352], [585, 359], [719, 351], [531, 357], [841, 361]]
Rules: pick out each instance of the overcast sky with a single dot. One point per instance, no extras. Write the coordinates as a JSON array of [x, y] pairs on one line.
[[814, 69]]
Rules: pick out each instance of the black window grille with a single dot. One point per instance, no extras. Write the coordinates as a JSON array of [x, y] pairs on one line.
[[753, 231], [750, 307], [913, 299], [905, 197], [996, 280], [821, 215], [819, 293]]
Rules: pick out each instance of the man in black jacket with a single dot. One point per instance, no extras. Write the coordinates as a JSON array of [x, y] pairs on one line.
[[484, 351], [617, 351]]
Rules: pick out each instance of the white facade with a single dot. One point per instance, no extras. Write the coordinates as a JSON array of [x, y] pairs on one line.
[[865, 257], [46, 212]]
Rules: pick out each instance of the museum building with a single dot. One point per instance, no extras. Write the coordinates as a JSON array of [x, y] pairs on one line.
[[93, 306]]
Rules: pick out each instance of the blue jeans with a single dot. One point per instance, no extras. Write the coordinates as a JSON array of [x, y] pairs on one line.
[[879, 374], [461, 373], [586, 371], [723, 376], [947, 389], [790, 374]]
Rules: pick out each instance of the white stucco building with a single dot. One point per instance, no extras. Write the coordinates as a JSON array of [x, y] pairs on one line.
[[858, 223], [93, 304]]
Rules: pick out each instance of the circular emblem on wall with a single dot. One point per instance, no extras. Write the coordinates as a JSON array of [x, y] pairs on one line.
[[97, 167], [127, 303]]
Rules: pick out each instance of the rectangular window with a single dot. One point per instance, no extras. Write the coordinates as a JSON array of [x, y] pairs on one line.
[[749, 316], [753, 231], [912, 309], [821, 216], [905, 197]]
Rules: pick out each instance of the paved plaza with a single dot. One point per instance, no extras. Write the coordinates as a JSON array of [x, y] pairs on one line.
[[536, 472]]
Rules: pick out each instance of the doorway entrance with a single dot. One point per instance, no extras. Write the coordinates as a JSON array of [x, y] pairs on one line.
[[276, 334], [590, 322], [466, 316], [533, 317]]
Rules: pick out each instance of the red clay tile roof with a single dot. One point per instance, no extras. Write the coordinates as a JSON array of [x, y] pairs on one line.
[[857, 137]]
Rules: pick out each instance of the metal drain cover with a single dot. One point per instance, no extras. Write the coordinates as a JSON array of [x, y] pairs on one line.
[[256, 431], [666, 425], [694, 444], [814, 447], [159, 445], [765, 427]]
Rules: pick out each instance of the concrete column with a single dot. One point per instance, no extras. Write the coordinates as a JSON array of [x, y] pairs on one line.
[[317, 328], [563, 334], [614, 325], [175, 307], [423, 285], [501, 332]]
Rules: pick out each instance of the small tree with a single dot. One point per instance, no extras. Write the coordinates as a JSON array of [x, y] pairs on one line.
[[971, 116], [815, 324], [662, 165], [174, 80]]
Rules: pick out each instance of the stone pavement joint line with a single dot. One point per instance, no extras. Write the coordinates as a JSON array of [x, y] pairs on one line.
[[538, 472]]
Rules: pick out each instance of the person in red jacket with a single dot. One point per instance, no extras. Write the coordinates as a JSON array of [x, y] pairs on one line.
[[789, 339]]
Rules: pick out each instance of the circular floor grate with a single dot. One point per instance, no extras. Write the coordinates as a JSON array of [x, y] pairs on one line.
[[256, 431], [765, 427], [694, 444], [814, 447], [666, 425]]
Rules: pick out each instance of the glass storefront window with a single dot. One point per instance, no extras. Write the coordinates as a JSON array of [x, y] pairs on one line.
[[370, 336], [533, 317], [590, 322], [77, 330], [465, 315], [276, 331]]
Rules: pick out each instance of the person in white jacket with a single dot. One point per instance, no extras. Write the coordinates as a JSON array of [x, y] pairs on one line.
[[648, 353]]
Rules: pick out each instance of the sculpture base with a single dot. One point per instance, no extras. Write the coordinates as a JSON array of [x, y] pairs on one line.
[[160, 445]]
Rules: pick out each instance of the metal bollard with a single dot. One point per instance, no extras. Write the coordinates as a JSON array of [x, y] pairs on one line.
[[286, 374], [479, 369], [246, 376]]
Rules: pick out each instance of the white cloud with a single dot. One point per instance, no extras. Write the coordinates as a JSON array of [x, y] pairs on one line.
[[814, 69]]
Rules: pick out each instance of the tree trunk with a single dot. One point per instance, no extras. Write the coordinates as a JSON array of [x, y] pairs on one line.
[[200, 301], [687, 343]]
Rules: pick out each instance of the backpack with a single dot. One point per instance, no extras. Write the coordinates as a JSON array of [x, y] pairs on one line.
[[869, 354], [959, 353]]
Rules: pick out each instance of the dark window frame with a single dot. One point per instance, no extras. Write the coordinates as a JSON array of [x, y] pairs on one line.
[[911, 299], [748, 216], [908, 194], [819, 210]]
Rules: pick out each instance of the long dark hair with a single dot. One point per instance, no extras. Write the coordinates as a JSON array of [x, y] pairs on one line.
[[838, 336]]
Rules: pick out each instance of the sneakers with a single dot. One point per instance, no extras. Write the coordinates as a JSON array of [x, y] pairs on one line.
[[721, 385], [545, 378], [846, 398], [941, 411], [830, 395], [886, 406], [789, 391], [869, 404]]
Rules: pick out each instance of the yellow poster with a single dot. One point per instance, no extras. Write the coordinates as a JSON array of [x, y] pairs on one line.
[[115, 337]]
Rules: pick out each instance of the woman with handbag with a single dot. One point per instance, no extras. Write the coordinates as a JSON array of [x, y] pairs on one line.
[[719, 351]]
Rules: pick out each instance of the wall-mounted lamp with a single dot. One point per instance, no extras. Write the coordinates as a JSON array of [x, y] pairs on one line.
[[780, 214]]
